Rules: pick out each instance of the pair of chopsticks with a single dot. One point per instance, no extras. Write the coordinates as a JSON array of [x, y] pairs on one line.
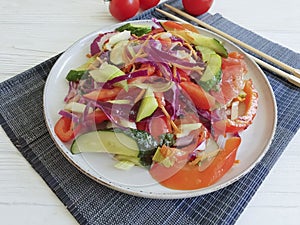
[[293, 78]]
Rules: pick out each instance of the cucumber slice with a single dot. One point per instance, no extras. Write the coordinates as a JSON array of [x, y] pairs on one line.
[[78, 73], [212, 43], [148, 105], [213, 68], [212, 74], [105, 141], [205, 52], [106, 72], [212, 83]]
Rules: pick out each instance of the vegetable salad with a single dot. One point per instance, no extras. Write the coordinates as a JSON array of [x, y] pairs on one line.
[[165, 97]]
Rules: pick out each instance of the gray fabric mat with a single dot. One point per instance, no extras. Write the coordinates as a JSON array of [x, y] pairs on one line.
[[21, 117]]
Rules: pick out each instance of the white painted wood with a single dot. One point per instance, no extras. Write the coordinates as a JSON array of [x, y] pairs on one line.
[[31, 31]]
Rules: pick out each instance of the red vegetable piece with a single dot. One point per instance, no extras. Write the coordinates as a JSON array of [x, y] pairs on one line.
[[103, 94], [147, 4], [188, 177], [159, 126], [233, 69], [123, 9], [251, 101], [98, 116], [64, 129], [196, 7], [200, 98]]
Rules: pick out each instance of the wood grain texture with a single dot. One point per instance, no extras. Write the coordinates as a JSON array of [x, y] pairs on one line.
[[33, 31]]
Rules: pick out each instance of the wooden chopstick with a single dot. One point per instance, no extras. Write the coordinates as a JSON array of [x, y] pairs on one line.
[[292, 79], [284, 66]]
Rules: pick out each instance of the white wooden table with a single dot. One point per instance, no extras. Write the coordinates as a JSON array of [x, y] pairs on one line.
[[34, 30]]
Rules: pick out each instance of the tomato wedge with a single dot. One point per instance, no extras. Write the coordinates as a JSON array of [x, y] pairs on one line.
[[200, 98], [233, 70], [251, 100], [97, 116], [159, 126], [172, 26], [91, 120], [64, 129], [103, 94], [189, 177], [183, 75]]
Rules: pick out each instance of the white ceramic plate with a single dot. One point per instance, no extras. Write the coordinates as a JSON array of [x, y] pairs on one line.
[[137, 181]]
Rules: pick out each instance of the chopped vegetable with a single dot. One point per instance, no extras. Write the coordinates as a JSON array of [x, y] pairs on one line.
[[134, 29], [124, 165], [75, 75], [64, 129], [148, 105]]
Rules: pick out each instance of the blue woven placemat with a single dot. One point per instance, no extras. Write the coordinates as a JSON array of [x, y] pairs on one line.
[[21, 116]]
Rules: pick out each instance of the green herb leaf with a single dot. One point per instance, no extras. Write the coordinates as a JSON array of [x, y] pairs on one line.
[[75, 75], [146, 143], [166, 139], [137, 30]]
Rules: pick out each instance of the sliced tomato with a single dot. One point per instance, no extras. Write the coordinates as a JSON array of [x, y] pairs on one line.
[[183, 75], [103, 94], [156, 126], [64, 129], [156, 31], [97, 116], [172, 26], [187, 118], [199, 96], [159, 126], [188, 177], [233, 69], [236, 55], [91, 120], [243, 121], [219, 127]]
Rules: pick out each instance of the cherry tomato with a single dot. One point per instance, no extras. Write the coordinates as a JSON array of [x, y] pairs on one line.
[[196, 7], [123, 9], [147, 4]]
